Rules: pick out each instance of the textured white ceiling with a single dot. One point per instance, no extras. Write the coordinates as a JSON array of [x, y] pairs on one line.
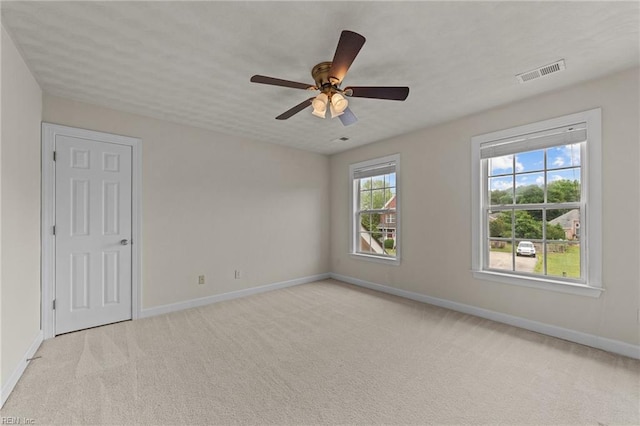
[[190, 62]]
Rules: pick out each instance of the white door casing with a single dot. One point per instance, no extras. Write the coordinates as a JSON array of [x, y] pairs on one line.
[[91, 194]]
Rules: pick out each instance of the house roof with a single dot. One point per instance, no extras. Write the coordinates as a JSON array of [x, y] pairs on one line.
[[391, 203], [567, 220]]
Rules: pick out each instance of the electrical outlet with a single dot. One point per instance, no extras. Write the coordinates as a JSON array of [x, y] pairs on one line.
[[237, 275], [201, 279]]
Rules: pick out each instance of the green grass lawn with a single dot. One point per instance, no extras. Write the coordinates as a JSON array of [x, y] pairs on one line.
[[559, 264]]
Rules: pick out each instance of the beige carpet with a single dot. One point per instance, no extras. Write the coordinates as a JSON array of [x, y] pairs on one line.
[[323, 353]]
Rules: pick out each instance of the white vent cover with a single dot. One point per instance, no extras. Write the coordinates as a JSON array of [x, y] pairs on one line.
[[541, 72]]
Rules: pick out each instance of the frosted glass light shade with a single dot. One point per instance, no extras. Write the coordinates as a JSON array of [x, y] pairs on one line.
[[334, 112], [320, 114], [339, 102], [320, 105]]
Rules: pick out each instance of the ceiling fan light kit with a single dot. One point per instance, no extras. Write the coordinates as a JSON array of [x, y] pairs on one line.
[[328, 76]]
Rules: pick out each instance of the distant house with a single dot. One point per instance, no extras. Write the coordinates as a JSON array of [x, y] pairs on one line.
[[387, 225], [570, 222]]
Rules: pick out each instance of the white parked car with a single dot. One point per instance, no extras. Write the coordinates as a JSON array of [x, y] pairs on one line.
[[526, 248]]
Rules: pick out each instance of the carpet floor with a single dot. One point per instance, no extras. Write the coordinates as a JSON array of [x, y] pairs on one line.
[[322, 353]]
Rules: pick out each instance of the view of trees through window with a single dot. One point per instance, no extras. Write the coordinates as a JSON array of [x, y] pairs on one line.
[[535, 197], [377, 209]]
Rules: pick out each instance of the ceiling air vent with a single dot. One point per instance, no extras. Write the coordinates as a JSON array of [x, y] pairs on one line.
[[541, 72], [340, 139]]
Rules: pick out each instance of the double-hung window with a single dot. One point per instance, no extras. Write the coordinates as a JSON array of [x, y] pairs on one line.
[[375, 213], [536, 204]]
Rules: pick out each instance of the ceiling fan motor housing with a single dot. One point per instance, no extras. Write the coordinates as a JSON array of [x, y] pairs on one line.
[[324, 82]]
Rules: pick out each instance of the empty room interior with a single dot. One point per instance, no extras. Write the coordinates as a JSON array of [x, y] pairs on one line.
[[320, 213]]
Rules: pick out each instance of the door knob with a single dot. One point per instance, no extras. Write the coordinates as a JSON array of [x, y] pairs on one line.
[[124, 242]]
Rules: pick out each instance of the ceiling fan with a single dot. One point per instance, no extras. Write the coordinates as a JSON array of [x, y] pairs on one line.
[[328, 76]]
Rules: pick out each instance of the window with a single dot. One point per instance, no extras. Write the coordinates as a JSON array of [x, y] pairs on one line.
[[537, 204], [375, 209]]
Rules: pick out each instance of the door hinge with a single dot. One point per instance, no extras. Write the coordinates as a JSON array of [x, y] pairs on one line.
[[54, 304], [54, 230], [54, 156]]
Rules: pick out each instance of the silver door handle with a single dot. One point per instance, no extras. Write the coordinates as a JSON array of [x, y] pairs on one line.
[[124, 242]]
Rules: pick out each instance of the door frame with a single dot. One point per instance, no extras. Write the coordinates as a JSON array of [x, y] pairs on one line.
[[47, 261]]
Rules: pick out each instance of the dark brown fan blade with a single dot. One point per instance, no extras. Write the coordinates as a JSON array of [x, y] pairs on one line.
[[279, 82], [378, 92], [348, 117], [348, 47], [296, 109]]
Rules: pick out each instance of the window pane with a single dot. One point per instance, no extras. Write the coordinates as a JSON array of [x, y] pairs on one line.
[[368, 221], [377, 181], [387, 196], [563, 224], [528, 256], [390, 180], [365, 200], [364, 242], [563, 185], [563, 259], [501, 190], [371, 242], [501, 165], [563, 156], [500, 224], [378, 198], [528, 224], [530, 161], [529, 188], [389, 243], [500, 255], [365, 184]]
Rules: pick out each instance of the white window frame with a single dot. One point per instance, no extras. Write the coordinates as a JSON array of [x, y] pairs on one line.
[[591, 239], [354, 203]]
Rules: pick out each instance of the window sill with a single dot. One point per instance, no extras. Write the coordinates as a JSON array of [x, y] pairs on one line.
[[377, 259], [541, 283]]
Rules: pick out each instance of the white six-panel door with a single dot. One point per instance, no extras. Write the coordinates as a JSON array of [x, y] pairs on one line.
[[92, 233]]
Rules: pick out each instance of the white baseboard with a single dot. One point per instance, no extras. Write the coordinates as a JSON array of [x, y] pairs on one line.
[[7, 388], [193, 303], [609, 345]]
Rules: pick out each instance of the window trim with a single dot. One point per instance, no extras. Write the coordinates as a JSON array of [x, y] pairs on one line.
[[591, 181], [353, 206]]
